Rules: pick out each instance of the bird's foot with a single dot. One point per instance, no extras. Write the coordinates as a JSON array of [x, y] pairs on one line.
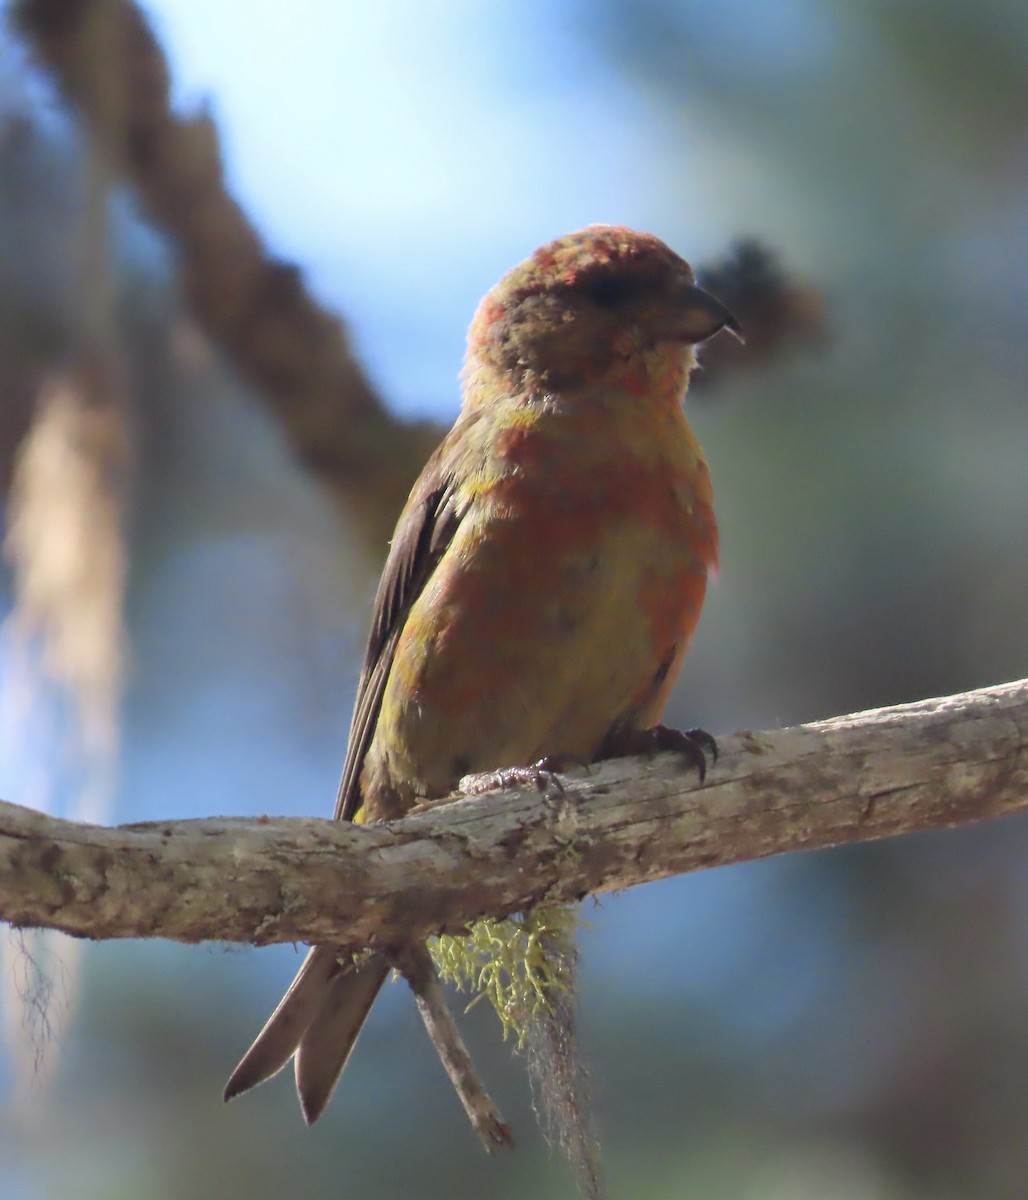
[[426, 805], [694, 744], [541, 775]]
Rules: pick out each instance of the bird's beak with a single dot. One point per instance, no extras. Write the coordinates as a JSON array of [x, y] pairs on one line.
[[700, 316]]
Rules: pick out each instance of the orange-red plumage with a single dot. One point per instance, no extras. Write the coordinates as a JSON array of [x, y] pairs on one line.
[[545, 577]]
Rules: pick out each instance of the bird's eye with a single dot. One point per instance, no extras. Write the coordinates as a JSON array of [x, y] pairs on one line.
[[609, 291]]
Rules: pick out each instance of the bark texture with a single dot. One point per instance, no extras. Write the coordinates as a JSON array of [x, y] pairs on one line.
[[930, 765]]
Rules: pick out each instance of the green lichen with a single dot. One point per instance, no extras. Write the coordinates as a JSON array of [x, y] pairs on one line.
[[523, 965]]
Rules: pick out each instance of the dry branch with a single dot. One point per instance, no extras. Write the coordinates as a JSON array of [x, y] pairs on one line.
[[930, 765], [419, 971]]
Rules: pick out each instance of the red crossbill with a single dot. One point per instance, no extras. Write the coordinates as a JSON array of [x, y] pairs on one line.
[[544, 579]]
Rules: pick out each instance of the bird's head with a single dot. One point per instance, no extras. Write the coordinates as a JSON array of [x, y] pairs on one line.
[[605, 305]]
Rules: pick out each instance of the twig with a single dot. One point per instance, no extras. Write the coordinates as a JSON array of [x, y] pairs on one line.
[[419, 971]]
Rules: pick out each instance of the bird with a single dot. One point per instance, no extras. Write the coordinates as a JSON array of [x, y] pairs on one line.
[[543, 581]]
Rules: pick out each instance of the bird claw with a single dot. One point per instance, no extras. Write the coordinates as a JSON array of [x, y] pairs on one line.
[[694, 744], [541, 775]]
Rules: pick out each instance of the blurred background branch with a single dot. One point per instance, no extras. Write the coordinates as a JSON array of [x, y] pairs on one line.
[[253, 306], [66, 528]]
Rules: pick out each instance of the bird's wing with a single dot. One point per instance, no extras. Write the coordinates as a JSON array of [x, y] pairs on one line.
[[321, 1015], [424, 531]]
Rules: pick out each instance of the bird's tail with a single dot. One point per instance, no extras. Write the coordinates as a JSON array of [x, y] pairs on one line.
[[317, 1022]]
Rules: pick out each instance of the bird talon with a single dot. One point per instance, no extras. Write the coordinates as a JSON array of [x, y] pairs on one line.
[[541, 775], [706, 741], [694, 744]]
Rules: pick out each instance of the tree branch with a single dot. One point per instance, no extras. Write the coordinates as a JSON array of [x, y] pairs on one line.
[[930, 765], [252, 305]]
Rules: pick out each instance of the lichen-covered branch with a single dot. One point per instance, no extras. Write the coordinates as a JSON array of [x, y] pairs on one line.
[[930, 765]]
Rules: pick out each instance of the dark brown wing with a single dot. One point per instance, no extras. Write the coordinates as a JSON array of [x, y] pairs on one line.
[[424, 530], [321, 1015]]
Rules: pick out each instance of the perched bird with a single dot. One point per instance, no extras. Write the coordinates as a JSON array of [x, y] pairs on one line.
[[544, 579]]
